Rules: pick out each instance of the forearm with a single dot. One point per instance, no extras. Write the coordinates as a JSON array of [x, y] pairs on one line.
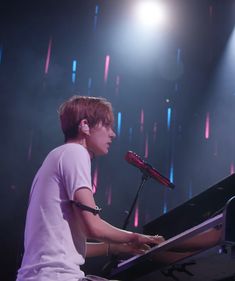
[[201, 241], [93, 226], [97, 249], [105, 232], [96, 228]]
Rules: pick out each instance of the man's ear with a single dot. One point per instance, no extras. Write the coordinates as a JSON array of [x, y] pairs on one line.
[[84, 127]]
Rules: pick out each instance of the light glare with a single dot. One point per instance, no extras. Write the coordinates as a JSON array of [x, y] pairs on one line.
[[151, 13]]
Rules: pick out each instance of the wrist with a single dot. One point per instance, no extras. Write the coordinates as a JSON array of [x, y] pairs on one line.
[[107, 249], [134, 237]]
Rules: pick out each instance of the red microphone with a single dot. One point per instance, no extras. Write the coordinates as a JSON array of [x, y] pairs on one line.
[[135, 160]]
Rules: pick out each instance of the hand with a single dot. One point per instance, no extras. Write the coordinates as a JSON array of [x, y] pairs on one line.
[[147, 239], [139, 245], [128, 249]]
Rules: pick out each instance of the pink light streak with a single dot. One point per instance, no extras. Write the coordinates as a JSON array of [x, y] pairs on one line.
[[95, 180], [136, 217], [48, 56], [142, 120], [211, 11], [207, 126], [106, 68], [117, 84], [146, 153], [231, 168], [109, 195], [154, 131]]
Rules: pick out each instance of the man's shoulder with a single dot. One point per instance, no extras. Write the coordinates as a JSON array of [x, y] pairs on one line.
[[69, 149]]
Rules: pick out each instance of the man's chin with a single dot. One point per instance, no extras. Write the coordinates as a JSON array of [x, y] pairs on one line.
[[103, 152]]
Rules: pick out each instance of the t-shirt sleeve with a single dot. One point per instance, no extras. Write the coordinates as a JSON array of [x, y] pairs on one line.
[[75, 169]]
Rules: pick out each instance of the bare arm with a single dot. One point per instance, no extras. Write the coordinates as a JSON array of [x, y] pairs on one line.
[[204, 240], [96, 228]]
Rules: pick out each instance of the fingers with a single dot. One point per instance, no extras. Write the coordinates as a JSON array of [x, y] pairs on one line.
[[146, 247], [129, 248], [139, 249], [136, 247], [147, 239], [153, 239], [158, 239]]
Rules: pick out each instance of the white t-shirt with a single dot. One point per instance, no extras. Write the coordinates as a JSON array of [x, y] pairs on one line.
[[54, 244]]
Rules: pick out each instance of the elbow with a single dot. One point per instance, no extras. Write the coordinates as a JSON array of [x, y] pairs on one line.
[[94, 231]]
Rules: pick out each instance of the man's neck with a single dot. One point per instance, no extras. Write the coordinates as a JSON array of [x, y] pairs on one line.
[[82, 142]]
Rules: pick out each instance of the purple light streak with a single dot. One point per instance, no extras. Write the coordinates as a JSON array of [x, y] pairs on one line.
[[106, 68], [48, 56]]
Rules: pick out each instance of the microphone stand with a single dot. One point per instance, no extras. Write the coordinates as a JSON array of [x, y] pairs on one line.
[[114, 259], [143, 180]]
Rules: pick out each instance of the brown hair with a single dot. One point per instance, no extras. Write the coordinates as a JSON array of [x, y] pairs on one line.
[[77, 108]]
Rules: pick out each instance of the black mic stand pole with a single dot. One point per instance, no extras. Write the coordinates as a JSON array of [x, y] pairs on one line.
[[114, 259], [143, 180]]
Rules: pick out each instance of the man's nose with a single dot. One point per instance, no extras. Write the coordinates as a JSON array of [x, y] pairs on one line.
[[113, 135]]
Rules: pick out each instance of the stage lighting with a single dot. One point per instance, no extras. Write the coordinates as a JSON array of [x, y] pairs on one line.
[[151, 13]]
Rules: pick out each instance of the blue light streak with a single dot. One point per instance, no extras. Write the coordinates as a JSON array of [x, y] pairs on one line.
[[74, 69], [178, 56], [96, 10], [89, 83], [73, 77], [172, 173], [169, 118], [119, 123], [165, 206], [74, 66], [96, 16]]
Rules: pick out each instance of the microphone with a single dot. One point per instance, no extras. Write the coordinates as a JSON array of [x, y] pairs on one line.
[[135, 160]]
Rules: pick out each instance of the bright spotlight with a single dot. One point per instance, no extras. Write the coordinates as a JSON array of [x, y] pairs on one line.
[[151, 13]]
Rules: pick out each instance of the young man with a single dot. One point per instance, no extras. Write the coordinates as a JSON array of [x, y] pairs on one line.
[[62, 212]]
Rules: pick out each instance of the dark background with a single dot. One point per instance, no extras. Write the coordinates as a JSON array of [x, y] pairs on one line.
[[187, 66]]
